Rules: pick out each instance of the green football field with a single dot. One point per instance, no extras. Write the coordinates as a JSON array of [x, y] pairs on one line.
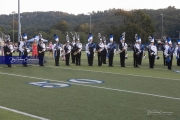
[[90, 92]]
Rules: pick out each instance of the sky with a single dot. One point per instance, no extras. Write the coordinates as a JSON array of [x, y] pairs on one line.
[[82, 6]]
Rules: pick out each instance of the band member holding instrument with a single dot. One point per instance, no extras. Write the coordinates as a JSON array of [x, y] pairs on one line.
[[41, 51], [99, 50], [169, 51], [8, 52], [177, 53], [111, 50], [25, 50], [63, 52], [122, 50], [142, 54], [104, 51], [57, 47], [20, 46], [90, 49], [87, 50], [164, 47], [78, 45], [73, 57], [67, 49], [136, 49], [152, 49]]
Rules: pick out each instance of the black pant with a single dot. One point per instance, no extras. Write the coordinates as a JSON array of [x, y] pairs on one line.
[[169, 64], [41, 58], [104, 57], [122, 58], [90, 58], [140, 58], [24, 57], [178, 62], [136, 57], [111, 56], [152, 59], [57, 60], [73, 57], [78, 58], [7, 60], [164, 59], [19, 53], [100, 59], [67, 58]]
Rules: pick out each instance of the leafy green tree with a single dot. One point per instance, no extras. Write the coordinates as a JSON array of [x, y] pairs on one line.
[[15, 24], [62, 25], [133, 23]]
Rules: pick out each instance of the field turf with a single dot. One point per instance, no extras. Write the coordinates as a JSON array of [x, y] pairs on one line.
[[125, 93]]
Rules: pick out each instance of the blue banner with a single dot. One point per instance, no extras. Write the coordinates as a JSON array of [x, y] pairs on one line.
[[18, 60]]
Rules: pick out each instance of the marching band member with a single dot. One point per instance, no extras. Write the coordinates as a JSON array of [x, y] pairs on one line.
[[169, 51], [122, 49], [152, 49], [99, 49], [177, 53], [20, 46], [24, 51], [87, 50], [57, 47], [90, 49], [141, 55], [73, 57], [136, 49], [63, 52], [41, 50], [111, 50], [78, 47], [104, 51], [8, 50], [67, 49], [164, 47]]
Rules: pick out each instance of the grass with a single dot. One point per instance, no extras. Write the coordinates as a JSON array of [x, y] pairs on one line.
[[126, 94]]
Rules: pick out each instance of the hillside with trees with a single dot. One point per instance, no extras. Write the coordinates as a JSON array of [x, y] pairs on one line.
[[144, 22]]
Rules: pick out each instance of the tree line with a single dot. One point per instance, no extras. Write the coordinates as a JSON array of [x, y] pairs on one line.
[[144, 22]]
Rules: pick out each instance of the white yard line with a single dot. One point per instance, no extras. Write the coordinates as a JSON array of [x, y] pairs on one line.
[[23, 113], [112, 89]]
